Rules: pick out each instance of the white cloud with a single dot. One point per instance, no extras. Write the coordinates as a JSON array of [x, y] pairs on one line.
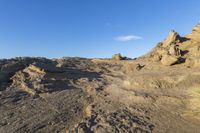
[[128, 38]]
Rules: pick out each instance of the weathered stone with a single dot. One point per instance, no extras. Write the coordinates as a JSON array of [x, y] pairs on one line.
[[172, 37], [169, 60], [195, 35], [174, 50]]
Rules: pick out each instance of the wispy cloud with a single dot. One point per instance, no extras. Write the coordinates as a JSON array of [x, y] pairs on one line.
[[128, 38]]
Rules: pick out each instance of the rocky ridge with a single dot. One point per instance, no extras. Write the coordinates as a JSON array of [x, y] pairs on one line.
[[177, 50]]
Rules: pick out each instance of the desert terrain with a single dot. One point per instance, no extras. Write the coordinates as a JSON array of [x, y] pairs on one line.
[[158, 92]]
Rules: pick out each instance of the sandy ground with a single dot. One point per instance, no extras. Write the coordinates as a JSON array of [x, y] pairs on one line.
[[77, 95]]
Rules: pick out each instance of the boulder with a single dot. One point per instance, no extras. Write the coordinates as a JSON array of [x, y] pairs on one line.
[[169, 60]]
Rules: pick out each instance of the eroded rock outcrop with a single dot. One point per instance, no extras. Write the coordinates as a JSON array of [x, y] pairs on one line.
[[29, 79], [195, 35], [177, 50], [169, 55], [172, 37], [193, 47]]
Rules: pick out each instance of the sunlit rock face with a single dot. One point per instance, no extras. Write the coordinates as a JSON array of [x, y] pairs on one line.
[[172, 37], [195, 35]]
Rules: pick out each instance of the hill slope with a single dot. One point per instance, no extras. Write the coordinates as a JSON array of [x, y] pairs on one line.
[[156, 93]]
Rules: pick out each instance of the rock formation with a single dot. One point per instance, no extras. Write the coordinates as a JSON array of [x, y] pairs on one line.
[[195, 35], [176, 49], [172, 37]]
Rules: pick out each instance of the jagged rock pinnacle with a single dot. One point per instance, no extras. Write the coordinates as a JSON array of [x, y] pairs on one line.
[[172, 37]]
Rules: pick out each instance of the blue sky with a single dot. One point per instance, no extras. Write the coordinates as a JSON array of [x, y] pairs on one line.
[[90, 28]]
